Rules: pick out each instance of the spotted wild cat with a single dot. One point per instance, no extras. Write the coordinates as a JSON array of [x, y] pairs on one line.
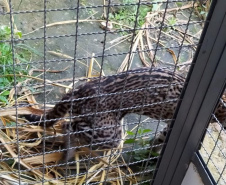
[[98, 107]]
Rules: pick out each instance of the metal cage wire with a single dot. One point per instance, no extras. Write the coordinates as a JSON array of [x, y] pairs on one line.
[[127, 164]]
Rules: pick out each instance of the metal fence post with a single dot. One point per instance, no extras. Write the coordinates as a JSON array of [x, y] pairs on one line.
[[206, 82]]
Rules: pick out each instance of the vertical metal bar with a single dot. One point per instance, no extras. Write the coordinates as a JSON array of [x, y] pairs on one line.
[[210, 101], [199, 79], [124, 84], [15, 88], [73, 86], [202, 170], [44, 91], [99, 86]]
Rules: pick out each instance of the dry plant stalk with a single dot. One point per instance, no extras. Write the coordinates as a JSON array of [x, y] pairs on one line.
[[31, 136], [6, 5], [73, 22], [90, 67], [97, 171], [143, 40]]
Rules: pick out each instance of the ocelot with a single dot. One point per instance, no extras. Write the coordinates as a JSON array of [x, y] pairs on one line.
[[97, 106]]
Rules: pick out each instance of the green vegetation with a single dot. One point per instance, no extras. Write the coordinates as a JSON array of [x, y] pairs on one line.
[[202, 9], [22, 54], [127, 14], [172, 21], [139, 143]]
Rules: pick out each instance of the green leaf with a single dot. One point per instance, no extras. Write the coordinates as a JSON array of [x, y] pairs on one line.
[[3, 99], [179, 4], [4, 93], [172, 21], [140, 131], [26, 47], [130, 133], [4, 32], [129, 141], [12, 124], [4, 80], [111, 16], [19, 34], [146, 130]]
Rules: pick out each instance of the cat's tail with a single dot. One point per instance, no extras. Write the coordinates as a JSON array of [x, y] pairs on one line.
[[55, 114]]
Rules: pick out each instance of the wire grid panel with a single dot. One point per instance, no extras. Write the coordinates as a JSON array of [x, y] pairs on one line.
[[50, 49], [213, 147]]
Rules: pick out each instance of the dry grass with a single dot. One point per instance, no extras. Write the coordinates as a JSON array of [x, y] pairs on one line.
[[23, 144], [146, 39]]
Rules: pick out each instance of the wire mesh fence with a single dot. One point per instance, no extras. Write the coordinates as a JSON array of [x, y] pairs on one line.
[[213, 146], [120, 67]]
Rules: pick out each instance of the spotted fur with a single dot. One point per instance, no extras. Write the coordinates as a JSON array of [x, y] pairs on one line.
[[98, 106]]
